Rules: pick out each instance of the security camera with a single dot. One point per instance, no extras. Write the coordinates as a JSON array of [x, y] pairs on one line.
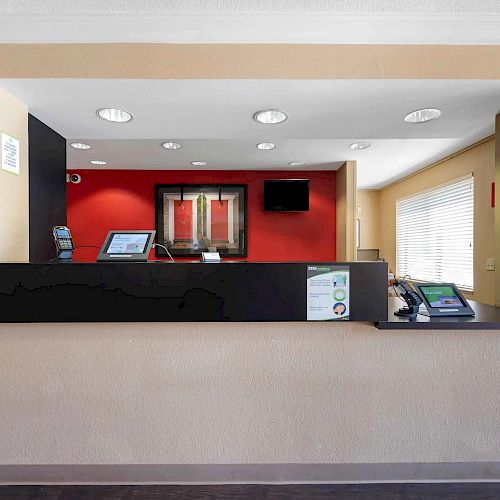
[[75, 178]]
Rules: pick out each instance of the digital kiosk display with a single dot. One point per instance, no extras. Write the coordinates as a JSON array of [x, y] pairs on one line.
[[128, 243], [443, 299], [132, 246], [441, 296]]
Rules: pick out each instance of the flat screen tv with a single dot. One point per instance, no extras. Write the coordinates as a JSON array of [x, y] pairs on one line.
[[286, 195]]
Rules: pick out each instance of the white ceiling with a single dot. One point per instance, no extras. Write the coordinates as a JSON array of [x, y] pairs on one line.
[[244, 6], [213, 121], [220, 154], [251, 21]]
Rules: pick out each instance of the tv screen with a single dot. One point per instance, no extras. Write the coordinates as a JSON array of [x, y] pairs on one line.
[[286, 195]]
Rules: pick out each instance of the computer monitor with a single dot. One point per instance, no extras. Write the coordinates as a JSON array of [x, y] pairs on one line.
[[126, 246], [443, 299]]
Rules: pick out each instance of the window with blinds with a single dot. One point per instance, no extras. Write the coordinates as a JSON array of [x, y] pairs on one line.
[[435, 234]]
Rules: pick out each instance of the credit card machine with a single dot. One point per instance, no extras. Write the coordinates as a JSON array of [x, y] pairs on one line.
[[64, 242]]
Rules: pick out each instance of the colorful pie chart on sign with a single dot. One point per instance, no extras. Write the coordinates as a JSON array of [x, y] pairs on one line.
[[339, 294]]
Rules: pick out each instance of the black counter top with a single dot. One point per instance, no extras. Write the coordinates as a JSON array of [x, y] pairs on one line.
[[487, 318]]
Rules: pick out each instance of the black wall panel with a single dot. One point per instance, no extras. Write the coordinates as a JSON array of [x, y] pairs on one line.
[[47, 187]]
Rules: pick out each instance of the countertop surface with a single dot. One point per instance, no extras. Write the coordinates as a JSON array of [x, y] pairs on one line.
[[188, 261], [487, 318]]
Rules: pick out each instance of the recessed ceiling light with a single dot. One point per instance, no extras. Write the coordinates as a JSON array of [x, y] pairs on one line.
[[359, 145], [80, 145], [266, 146], [423, 115], [297, 163], [172, 145], [270, 116], [198, 163], [114, 115], [98, 162]]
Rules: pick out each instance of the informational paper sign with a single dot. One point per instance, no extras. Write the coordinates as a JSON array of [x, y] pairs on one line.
[[10, 153], [327, 293]]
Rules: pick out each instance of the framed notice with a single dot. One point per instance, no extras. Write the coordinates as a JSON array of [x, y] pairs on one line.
[[10, 154], [327, 293]]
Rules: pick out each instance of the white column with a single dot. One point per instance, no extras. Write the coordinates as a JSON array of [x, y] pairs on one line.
[[230, 218]]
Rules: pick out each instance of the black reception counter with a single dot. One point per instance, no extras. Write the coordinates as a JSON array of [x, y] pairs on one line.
[[181, 291]]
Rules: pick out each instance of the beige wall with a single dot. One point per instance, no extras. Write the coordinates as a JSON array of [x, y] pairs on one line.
[[267, 61], [480, 161], [367, 212], [497, 210], [186, 393], [14, 208], [345, 211]]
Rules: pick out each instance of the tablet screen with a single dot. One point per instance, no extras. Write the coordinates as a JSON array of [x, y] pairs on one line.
[[128, 243], [441, 296]]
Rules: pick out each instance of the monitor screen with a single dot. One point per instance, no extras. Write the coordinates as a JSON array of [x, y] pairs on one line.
[[128, 243], [441, 296], [286, 195]]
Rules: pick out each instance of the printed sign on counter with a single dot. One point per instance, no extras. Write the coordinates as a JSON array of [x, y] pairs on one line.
[[10, 153], [327, 293]]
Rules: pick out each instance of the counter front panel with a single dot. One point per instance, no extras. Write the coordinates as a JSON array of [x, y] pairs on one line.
[[159, 291]]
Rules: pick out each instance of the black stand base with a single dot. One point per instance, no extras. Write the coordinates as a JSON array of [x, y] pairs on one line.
[[407, 312]]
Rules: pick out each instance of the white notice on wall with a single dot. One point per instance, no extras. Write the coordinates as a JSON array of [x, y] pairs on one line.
[[327, 293], [10, 153]]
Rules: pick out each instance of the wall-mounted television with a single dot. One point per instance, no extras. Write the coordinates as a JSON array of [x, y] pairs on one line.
[[286, 195]]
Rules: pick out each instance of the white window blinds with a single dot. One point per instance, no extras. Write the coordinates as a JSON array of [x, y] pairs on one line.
[[435, 234]]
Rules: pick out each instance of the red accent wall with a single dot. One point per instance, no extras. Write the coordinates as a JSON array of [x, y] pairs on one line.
[[183, 220], [125, 199], [220, 220]]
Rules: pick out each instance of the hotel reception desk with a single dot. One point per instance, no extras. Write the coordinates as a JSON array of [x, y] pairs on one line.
[[198, 292], [192, 291]]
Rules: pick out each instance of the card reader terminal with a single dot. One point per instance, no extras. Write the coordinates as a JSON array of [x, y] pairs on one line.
[[63, 241]]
